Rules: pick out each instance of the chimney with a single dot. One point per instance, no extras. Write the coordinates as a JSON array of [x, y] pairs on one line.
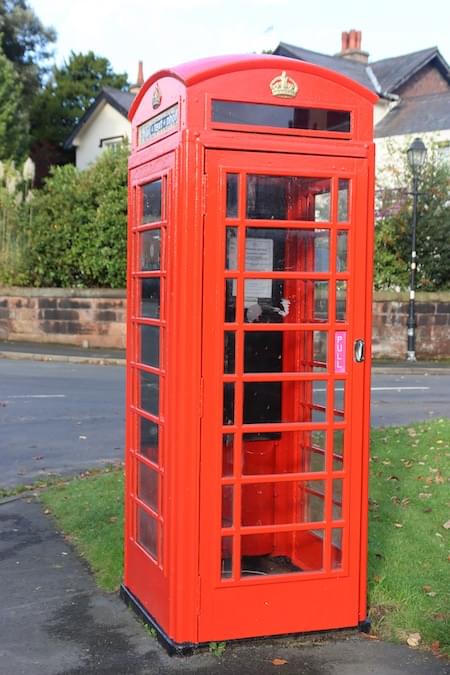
[[351, 47], [140, 79]]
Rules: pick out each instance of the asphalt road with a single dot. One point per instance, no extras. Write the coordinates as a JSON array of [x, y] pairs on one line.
[[63, 418]]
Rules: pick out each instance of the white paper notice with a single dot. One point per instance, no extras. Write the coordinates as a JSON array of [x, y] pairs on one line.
[[258, 258]]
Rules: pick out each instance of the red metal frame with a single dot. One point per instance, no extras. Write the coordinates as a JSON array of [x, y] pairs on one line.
[[173, 565]]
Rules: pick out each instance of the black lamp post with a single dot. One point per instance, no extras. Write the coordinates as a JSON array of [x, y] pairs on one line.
[[416, 153]]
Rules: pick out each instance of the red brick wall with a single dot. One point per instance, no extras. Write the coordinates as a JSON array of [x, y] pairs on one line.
[[85, 317], [96, 318], [390, 312], [427, 81]]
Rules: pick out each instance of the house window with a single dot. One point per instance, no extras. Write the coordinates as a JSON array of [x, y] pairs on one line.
[[113, 142]]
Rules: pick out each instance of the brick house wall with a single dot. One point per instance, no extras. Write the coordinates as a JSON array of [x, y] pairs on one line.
[[96, 318], [428, 80]]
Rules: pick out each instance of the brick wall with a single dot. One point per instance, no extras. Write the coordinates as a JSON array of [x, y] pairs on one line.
[[390, 313], [96, 318], [84, 317], [427, 81]]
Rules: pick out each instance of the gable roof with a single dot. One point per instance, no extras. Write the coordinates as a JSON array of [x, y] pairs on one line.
[[119, 100], [394, 72], [416, 114], [383, 77]]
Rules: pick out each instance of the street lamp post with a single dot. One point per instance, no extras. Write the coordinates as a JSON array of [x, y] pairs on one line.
[[416, 154]]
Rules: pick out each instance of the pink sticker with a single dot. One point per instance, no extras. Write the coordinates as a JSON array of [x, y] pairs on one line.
[[340, 345]]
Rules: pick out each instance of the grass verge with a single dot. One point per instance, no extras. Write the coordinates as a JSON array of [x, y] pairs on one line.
[[408, 543]]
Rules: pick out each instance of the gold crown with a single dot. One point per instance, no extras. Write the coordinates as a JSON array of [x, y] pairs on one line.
[[283, 86]]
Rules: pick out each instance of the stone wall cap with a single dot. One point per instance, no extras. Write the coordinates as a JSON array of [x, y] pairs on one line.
[[22, 292]]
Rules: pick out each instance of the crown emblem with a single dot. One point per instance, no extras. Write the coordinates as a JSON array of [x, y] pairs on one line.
[[156, 98], [283, 86]]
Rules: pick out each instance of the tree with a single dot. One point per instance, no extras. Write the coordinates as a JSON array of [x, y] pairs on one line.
[[26, 43], [70, 91], [13, 119], [393, 227]]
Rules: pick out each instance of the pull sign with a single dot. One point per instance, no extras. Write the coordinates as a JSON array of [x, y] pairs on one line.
[[340, 349], [359, 351]]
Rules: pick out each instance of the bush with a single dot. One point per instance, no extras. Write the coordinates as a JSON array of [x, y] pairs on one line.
[[394, 222], [15, 210], [78, 225]]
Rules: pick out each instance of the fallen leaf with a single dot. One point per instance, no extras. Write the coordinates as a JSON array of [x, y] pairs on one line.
[[446, 525], [279, 662], [392, 478], [377, 579], [47, 511], [398, 525], [424, 495], [432, 594], [439, 616], [413, 639], [426, 588], [428, 510], [439, 478], [435, 645]]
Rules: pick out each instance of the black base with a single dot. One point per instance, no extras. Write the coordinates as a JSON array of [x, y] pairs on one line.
[[188, 648]]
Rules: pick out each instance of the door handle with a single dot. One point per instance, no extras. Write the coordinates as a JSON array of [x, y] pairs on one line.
[[359, 351]]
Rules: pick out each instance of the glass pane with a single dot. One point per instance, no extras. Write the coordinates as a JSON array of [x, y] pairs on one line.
[[336, 548], [229, 357], [286, 351], [342, 247], [263, 402], [149, 345], [283, 452], [288, 198], [314, 506], [287, 250], [230, 300], [150, 298], [149, 440], [285, 301], [339, 401], [227, 454], [283, 117], [341, 300], [338, 450], [226, 564], [343, 200], [314, 457], [228, 403], [151, 202], [291, 552], [148, 486], [281, 503], [231, 248], [149, 387], [147, 533], [337, 498], [150, 250], [232, 195], [227, 506]]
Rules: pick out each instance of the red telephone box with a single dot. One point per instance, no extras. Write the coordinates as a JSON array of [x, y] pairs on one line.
[[248, 375]]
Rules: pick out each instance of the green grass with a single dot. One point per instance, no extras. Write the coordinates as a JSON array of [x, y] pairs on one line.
[[89, 510], [408, 546], [409, 564]]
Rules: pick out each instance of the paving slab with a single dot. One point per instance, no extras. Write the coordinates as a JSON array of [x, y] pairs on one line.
[[55, 621]]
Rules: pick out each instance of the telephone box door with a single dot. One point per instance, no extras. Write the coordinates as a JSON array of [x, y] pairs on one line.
[[285, 400]]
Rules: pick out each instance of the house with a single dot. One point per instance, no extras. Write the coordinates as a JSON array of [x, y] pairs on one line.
[[104, 125], [413, 90]]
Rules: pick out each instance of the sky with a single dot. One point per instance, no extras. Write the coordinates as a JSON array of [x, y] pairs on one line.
[[164, 33]]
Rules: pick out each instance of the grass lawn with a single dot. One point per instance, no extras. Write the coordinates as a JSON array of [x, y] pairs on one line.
[[409, 557]]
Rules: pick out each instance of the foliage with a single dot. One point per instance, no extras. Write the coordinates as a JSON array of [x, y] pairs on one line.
[[69, 92], [13, 120], [78, 234], [15, 213], [393, 226], [26, 43]]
